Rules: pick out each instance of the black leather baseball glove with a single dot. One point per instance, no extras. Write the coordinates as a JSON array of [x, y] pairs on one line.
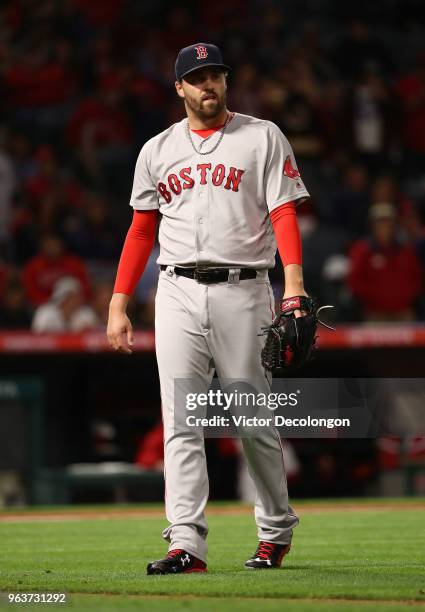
[[291, 340]]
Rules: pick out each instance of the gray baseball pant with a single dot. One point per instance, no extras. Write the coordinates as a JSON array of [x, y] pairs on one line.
[[200, 328]]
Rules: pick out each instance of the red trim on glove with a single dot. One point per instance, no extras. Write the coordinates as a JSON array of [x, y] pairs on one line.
[[287, 232], [290, 304], [136, 250]]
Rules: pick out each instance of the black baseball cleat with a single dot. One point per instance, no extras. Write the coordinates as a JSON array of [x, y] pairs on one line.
[[268, 555], [177, 561]]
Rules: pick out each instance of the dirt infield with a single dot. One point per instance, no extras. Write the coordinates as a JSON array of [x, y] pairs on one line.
[[71, 514]]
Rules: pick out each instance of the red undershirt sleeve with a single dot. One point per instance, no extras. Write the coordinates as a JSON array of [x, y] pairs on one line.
[[287, 232], [136, 250]]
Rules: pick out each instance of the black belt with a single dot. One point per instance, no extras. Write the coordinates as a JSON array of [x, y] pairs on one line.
[[212, 275]]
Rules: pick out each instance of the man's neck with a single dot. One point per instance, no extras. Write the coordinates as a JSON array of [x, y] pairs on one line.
[[196, 123]]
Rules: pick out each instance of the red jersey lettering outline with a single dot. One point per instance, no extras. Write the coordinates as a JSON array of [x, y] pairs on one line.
[[162, 190], [174, 184], [218, 176], [203, 168], [233, 179], [188, 180]]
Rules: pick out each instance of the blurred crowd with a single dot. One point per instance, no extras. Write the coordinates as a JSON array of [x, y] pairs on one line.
[[85, 84]]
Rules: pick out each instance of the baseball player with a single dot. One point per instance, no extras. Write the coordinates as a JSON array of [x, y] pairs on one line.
[[223, 187]]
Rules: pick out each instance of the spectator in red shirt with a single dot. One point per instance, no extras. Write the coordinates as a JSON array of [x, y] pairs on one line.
[[52, 263], [150, 452], [385, 274]]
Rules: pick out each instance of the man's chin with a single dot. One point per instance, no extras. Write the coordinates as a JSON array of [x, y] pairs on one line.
[[209, 111]]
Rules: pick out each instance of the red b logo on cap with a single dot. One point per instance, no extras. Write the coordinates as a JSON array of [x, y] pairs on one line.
[[201, 52]]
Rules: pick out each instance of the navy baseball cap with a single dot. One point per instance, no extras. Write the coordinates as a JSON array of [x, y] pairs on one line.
[[197, 56]]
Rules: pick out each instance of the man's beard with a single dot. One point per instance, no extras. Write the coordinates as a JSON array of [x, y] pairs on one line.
[[207, 110]]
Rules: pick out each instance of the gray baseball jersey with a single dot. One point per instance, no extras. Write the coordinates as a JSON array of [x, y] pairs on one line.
[[227, 194], [215, 212]]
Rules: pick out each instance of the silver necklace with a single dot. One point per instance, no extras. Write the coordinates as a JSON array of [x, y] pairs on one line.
[[198, 151]]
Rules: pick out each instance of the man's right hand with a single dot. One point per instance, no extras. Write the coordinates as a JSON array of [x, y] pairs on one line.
[[119, 330]]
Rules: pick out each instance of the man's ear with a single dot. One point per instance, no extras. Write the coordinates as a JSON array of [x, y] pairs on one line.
[[179, 89]]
